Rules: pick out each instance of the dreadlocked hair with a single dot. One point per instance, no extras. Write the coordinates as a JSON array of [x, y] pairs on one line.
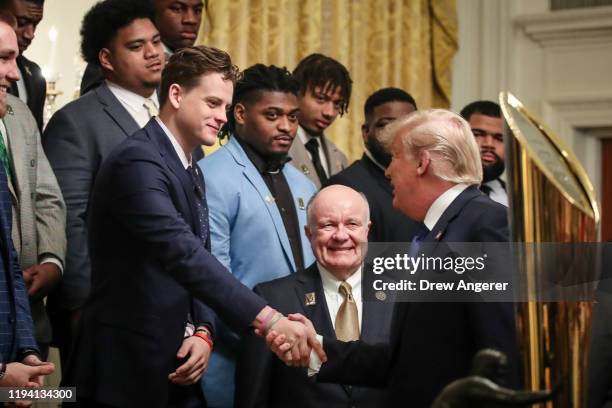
[[254, 81]]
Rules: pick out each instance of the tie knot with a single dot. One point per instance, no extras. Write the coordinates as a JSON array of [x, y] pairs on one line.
[[486, 189], [346, 291], [150, 107], [312, 145]]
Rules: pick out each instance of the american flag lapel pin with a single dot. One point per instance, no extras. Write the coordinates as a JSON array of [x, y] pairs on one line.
[[310, 299]]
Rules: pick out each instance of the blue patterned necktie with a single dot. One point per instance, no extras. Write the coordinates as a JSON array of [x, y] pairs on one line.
[[202, 207], [415, 244]]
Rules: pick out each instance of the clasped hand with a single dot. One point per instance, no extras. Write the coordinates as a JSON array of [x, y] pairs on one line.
[[292, 338]]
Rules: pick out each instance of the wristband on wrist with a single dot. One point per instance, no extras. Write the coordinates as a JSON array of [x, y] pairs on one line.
[[201, 334], [205, 330], [266, 319], [272, 322]]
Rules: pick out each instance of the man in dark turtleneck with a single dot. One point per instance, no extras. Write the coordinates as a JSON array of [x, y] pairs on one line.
[[257, 202], [367, 175]]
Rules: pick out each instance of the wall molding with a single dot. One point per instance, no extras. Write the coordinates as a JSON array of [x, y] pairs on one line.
[[563, 27]]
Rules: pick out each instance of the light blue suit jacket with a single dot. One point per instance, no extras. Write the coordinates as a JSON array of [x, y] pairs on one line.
[[249, 238]]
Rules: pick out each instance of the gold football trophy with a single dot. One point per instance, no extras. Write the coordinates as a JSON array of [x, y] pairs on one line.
[[551, 200]]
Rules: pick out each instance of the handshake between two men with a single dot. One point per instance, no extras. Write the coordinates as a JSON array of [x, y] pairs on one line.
[[291, 338]]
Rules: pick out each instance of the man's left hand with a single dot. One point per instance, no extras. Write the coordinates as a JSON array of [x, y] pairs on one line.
[[192, 370], [32, 360], [41, 278]]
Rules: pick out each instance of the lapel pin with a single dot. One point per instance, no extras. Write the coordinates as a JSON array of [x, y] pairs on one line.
[[27, 69], [305, 169], [439, 235], [269, 199], [301, 203], [310, 299], [9, 109]]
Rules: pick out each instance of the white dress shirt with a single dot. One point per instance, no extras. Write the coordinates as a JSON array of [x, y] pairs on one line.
[[498, 192], [21, 88], [304, 138], [333, 298], [186, 162], [441, 204], [133, 103]]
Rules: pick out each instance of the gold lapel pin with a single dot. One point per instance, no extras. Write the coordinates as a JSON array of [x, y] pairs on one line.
[[305, 169], [269, 199], [9, 110], [310, 299], [27, 69], [301, 203]]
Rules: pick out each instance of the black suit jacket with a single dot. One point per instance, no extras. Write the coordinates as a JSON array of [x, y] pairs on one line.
[[262, 380], [388, 224], [148, 266], [432, 344], [36, 88]]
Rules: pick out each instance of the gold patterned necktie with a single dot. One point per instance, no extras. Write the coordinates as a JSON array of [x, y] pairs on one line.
[[151, 108], [347, 319]]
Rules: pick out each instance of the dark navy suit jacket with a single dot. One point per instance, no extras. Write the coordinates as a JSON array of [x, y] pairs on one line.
[[16, 328], [262, 380], [149, 264], [432, 344]]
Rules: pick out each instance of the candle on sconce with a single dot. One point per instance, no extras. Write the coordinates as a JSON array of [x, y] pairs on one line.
[[49, 71], [51, 75]]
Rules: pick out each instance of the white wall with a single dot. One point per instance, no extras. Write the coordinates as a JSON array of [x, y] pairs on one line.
[[65, 57], [557, 63]]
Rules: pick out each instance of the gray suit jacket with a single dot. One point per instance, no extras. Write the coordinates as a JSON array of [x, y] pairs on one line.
[[300, 158], [39, 212], [77, 140]]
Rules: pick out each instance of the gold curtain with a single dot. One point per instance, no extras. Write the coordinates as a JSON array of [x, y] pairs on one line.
[[408, 44]]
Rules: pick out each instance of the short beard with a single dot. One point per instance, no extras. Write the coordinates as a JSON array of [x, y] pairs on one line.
[[379, 153], [493, 171]]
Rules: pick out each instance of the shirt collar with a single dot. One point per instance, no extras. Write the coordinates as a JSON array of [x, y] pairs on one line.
[[261, 163], [177, 147], [441, 204], [331, 284], [305, 136], [130, 98]]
